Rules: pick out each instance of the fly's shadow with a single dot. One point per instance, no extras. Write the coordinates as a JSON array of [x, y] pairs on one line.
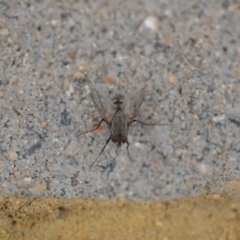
[[118, 114]]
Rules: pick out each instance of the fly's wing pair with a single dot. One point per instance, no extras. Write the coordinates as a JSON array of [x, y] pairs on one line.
[[135, 103], [100, 103]]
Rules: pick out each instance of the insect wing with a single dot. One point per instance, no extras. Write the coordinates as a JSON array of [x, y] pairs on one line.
[[135, 103], [99, 102]]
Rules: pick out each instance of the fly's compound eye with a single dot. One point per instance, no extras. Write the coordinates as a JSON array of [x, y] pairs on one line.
[[124, 139], [115, 139]]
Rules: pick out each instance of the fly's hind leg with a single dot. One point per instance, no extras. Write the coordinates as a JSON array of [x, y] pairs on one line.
[[129, 156], [100, 152]]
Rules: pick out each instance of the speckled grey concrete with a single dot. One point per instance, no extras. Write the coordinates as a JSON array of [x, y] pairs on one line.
[[188, 54]]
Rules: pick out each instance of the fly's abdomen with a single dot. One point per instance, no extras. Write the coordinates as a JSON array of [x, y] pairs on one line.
[[119, 125]]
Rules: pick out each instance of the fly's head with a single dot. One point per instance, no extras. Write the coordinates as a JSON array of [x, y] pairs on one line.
[[118, 100], [119, 139]]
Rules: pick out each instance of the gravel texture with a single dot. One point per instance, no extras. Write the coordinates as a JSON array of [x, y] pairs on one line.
[[188, 54]]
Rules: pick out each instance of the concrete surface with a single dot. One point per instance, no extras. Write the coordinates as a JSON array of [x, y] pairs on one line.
[[188, 54]]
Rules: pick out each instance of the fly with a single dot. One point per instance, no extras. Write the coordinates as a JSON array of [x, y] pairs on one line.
[[118, 116]]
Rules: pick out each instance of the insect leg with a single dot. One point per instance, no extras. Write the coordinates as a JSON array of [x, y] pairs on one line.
[[129, 152], [101, 152], [127, 145], [150, 124], [93, 128]]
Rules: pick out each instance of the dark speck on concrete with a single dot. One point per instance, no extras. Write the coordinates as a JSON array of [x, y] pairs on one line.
[[65, 118], [34, 148]]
